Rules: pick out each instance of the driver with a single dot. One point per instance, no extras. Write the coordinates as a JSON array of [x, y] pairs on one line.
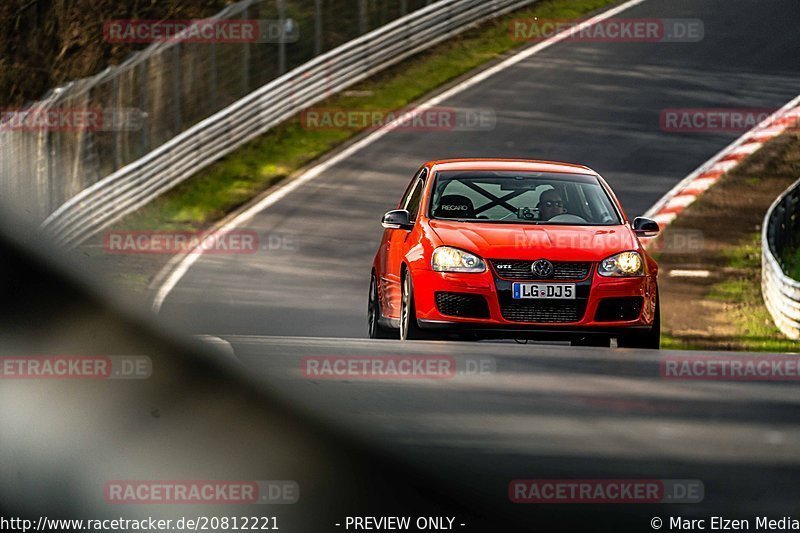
[[550, 205]]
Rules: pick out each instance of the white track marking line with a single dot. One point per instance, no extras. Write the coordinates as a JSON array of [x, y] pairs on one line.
[[188, 260], [678, 273], [679, 200]]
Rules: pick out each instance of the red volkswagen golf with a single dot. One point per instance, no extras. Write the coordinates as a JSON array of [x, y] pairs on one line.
[[484, 248]]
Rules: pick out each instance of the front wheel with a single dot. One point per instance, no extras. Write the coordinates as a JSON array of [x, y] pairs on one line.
[[649, 339], [374, 314], [409, 328]]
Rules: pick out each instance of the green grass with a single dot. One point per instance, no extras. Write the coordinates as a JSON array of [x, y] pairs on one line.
[[792, 261], [237, 178], [668, 342], [745, 309]]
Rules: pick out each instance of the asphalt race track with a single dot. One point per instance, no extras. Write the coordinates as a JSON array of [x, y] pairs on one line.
[[552, 412], [596, 103]]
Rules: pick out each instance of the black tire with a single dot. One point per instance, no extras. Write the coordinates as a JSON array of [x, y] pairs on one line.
[[374, 313], [647, 340], [409, 328]]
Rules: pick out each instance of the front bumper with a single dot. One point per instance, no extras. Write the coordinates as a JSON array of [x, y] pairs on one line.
[[505, 316]]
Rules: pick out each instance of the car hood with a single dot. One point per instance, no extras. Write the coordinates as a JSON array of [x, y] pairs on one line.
[[527, 241]]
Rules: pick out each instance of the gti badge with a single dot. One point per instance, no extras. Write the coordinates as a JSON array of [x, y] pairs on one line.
[[542, 268]]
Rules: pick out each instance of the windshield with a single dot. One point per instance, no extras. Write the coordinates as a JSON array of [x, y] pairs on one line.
[[522, 197]]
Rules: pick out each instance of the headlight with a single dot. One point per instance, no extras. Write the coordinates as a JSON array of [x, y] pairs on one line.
[[621, 265], [446, 259]]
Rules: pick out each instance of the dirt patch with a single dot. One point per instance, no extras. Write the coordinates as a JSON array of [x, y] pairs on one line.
[[720, 234]]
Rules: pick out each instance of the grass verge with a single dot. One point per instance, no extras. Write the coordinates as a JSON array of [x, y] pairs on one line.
[[742, 292], [242, 175]]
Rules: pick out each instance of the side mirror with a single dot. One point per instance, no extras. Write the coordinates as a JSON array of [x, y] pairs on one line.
[[645, 227], [397, 219]]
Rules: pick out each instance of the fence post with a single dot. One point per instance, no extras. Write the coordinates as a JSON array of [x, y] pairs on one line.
[[317, 27], [246, 57], [143, 107], [363, 21], [176, 101], [116, 114], [52, 202], [282, 36], [213, 74]]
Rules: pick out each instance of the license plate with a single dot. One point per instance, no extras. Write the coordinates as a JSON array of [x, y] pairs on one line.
[[550, 291]]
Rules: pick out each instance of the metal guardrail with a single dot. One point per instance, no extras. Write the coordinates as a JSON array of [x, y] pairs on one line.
[[139, 182], [781, 234], [163, 90]]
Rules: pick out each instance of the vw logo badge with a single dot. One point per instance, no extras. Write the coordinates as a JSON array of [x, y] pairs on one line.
[[542, 268]]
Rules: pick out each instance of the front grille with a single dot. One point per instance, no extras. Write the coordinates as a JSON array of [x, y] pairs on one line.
[[521, 270], [619, 309], [543, 311], [462, 305]]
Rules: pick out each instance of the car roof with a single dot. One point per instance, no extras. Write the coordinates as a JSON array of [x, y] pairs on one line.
[[531, 165]]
